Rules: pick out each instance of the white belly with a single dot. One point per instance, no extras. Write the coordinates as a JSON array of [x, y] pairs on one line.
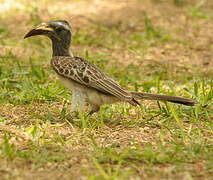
[[92, 96]]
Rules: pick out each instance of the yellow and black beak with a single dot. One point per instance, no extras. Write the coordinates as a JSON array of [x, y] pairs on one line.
[[42, 29]]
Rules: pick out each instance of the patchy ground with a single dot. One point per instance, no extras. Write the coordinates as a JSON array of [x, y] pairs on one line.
[[146, 45]]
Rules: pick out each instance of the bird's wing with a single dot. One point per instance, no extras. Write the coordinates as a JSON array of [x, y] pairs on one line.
[[85, 73]]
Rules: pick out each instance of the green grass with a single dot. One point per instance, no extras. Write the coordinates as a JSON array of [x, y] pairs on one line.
[[40, 138]]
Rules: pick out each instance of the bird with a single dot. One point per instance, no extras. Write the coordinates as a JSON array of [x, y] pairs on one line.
[[87, 83]]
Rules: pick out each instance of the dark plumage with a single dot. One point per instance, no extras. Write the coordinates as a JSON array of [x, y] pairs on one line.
[[87, 83]]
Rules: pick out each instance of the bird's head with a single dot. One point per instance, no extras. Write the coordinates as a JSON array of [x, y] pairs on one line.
[[59, 30]]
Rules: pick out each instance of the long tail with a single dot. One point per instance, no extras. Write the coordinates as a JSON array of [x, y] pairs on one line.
[[174, 99]]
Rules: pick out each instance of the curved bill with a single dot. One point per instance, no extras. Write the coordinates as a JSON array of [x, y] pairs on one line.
[[41, 29]]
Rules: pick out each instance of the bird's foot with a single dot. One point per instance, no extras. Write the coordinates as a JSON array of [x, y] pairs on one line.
[[94, 109]]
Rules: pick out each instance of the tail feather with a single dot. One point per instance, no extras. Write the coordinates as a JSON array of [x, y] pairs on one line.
[[174, 99]]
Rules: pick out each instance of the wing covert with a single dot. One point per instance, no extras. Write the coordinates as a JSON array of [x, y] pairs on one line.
[[85, 73]]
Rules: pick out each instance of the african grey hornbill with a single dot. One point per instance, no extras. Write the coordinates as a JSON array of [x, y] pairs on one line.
[[86, 81]]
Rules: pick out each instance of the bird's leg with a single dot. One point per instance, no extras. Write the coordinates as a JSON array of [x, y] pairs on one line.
[[94, 108], [78, 101]]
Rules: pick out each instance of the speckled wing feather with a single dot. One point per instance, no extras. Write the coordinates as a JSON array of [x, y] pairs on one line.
[[85, 73]]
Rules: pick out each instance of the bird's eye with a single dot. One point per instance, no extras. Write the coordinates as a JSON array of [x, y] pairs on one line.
[[59, 29]]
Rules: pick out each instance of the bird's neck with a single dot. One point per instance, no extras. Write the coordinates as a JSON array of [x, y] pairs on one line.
[[61, 48]]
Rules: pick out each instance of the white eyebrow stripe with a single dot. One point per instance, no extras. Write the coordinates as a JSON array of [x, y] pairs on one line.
[[64, 25]]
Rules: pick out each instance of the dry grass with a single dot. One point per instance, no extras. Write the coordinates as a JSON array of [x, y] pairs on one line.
[[158, 46]]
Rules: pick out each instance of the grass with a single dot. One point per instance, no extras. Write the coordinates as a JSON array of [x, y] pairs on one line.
[[40, 139]]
